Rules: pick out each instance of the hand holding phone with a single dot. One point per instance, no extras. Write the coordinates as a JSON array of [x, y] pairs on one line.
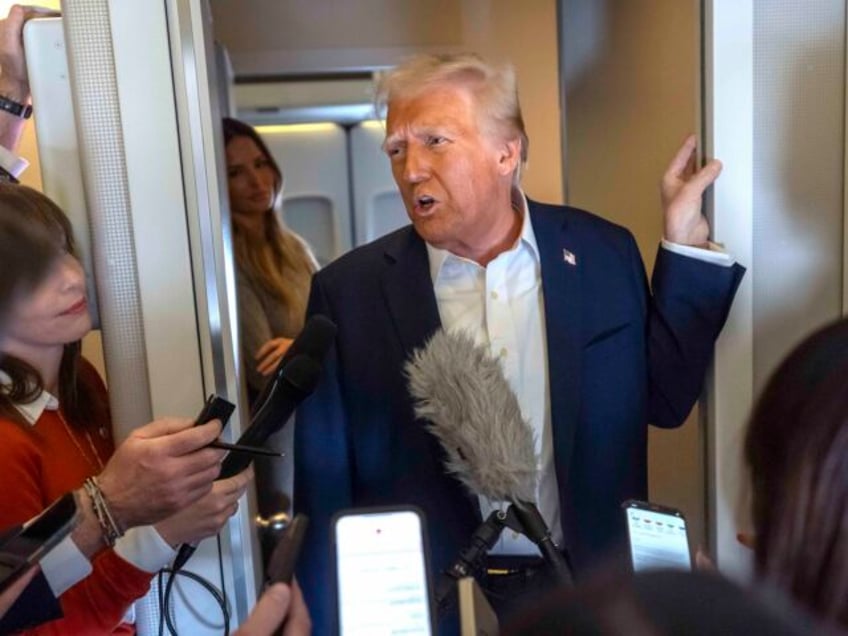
[[284, 558], [25, 546], [215, 408], [657, 536]]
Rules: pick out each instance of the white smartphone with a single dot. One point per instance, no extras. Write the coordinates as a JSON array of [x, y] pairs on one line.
[[657, 536], [382, 572]]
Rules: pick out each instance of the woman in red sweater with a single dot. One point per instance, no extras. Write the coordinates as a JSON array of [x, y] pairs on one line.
[[55, 432]]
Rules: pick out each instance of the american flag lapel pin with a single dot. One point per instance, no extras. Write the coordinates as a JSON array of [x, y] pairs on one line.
[[569, 258]]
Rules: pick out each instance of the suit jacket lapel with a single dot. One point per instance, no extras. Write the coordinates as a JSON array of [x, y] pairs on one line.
[[562, 261], [408, 291]]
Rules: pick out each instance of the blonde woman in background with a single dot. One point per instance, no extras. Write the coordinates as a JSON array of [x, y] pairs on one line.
[[274, 265], [274, 269]]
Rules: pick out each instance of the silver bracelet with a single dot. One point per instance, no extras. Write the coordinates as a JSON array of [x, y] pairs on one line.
[[108, 526]]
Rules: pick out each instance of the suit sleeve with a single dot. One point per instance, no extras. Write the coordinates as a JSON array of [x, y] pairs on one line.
[[35, 605], [688, 307], [98, 603], [322, 479]]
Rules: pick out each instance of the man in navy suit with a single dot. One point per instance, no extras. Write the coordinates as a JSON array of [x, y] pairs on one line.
[[558, 294]]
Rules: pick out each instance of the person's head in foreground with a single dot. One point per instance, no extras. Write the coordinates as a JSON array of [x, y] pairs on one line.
[[797, 453]]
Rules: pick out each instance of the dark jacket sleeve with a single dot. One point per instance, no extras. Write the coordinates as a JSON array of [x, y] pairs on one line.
[[689, 306], [34, 606], [322, 481]]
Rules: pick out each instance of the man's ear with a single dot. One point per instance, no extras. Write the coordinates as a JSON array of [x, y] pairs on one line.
[[509, 156]]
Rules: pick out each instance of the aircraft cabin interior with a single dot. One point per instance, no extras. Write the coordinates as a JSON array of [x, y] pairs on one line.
[[126, 136]]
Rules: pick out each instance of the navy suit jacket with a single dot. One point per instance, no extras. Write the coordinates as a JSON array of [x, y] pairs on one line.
[[619, 357], [35, 605]]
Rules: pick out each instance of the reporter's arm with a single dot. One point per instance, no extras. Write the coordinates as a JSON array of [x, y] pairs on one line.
[[161, 468], [280, 604], [206, 517], [97, 593], [10, 595], [14, 82], [29, 601], [298, 622]]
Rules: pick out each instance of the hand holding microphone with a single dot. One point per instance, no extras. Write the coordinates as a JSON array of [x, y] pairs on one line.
[[294, 380]]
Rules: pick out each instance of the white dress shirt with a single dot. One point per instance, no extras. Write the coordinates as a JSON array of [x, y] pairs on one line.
[[12, 163], [502, 307]]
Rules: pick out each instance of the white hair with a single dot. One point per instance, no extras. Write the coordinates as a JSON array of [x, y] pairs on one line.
[[495, 91]]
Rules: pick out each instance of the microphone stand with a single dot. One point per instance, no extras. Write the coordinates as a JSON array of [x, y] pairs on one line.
[[470, 560], [535, 529], [520, 517]]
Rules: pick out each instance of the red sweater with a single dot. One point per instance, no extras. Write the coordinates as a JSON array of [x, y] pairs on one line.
[[40, 463]]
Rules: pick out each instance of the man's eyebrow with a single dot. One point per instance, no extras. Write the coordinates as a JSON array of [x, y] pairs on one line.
[[422, 131], [391, 140]]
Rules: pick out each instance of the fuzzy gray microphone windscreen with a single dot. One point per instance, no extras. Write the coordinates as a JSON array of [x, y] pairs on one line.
[[461, 390]]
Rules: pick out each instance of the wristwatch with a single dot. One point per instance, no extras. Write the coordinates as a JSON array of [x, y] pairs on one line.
[[24, 111]]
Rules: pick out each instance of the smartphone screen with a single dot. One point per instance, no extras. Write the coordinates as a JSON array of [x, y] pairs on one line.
[[381, 566], [657, 536]]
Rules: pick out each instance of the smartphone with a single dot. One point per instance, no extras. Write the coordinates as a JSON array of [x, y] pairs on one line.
[[215, 408], [23, 547], [657, 536], [284, 558], [382, 572]]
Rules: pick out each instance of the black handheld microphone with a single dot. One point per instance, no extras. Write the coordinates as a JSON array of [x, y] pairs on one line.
[[314, 341], [294, 384], [460, 389], [294, 380]]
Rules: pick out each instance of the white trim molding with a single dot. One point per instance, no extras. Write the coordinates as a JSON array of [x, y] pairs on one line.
[[728, 135]]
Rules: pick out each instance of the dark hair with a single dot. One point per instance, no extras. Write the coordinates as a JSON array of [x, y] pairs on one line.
[[658, 603], [26, 254], [797, 452], [77, 397]]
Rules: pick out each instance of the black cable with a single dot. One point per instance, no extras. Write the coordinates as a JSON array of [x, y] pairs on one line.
[[216, 594], [172, 630], [165, 602], [223, 584], [161, 603]]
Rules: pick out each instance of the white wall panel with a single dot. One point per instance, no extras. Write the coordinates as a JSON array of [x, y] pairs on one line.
[[378, 207], [728, 123], [799, 141], [775, 114], [316, 200]]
